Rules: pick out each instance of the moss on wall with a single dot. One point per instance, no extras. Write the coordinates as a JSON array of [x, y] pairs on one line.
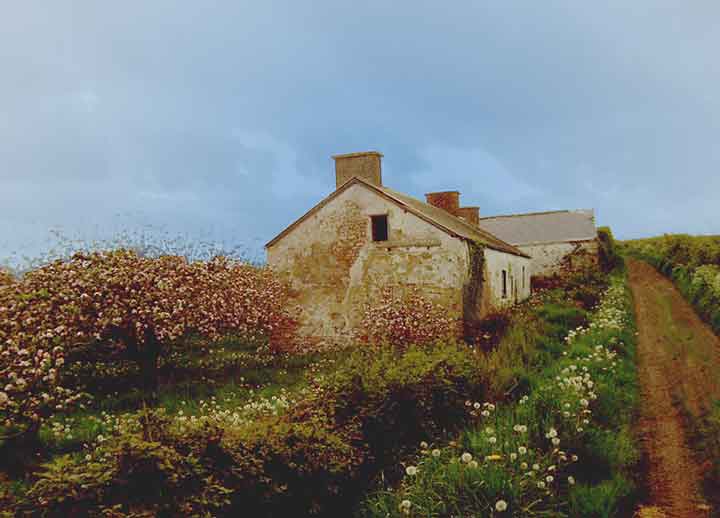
[[473, 290]]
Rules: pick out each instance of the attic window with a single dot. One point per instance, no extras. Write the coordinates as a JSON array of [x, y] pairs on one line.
[[379, 227]]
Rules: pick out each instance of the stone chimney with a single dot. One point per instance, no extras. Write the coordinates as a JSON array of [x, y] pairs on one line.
[[365, 165], [446, 200], [469, 214]]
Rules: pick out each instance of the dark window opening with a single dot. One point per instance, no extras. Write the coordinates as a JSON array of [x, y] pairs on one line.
[[379, 228], [504, 284], [523, 278]]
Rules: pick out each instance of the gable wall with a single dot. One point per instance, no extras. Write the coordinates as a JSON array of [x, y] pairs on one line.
[[335, 269]]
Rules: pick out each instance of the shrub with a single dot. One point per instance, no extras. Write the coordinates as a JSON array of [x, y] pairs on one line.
[[608, 255], [137, 304], [407, 318], [160, 466], [398, 398], [6, 277]]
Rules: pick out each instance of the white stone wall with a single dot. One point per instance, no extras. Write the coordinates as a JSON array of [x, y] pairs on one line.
[[517, 270], [547, 258], [335, 268]]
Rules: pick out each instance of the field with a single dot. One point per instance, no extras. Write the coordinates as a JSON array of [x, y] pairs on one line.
[[128, 391]]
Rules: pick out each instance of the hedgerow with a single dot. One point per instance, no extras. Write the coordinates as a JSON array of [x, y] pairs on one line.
[[692, 263]]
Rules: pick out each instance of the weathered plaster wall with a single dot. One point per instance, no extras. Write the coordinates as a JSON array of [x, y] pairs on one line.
[[334, 268], [552, 258], [518, 278]]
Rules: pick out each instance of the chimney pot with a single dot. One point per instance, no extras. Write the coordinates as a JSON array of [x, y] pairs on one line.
[[365, 165]]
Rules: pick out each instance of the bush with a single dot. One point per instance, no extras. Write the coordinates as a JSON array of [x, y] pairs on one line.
[[608, 255], [6, 277], [162, 467], [402, 398], [139, 305], [409, 318]]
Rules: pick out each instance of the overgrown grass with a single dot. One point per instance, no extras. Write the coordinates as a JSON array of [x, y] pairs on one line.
[[518, 458]]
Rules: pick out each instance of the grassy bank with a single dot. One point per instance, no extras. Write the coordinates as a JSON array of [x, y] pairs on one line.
[[564, 448]]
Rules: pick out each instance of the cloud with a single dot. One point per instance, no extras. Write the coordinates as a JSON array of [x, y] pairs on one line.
[[478, 175], [224, 115]]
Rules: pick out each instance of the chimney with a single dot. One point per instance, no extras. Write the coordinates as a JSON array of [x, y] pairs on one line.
[[446, 200], [365, 165], [469, 214]]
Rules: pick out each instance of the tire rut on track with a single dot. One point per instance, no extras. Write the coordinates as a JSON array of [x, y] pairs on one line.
[[676, 356]]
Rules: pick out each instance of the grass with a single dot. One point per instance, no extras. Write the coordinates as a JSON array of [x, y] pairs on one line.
[[254, 375], [602, 483]]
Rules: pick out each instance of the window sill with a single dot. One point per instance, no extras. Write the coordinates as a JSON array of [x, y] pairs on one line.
[[418, 243]]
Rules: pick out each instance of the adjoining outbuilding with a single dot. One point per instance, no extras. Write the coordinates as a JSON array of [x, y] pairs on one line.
[[365, 237], [559, 241]]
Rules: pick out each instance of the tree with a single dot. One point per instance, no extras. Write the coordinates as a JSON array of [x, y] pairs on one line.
[[138, 304]]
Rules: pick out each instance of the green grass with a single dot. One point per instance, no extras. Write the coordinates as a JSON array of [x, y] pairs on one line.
[[258, 376], [607, 449]]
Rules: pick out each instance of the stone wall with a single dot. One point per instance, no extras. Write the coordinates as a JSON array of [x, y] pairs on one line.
[[518, 271], [335, 269], [554, 258]]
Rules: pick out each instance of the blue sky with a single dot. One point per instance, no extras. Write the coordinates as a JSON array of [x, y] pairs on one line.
[[219, 118]]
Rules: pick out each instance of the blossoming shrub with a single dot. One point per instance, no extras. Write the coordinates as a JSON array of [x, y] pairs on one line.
[[409, 318], [6, 277], [138, 304], [557, 451]]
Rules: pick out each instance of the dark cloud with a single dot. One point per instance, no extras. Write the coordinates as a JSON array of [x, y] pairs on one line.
[[223, 115]]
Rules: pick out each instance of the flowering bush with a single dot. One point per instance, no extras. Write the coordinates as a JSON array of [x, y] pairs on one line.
[[407, 319], [6, 277], [138, 304]]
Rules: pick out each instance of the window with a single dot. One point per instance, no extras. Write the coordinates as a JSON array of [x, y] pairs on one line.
[[523, 278], [504, 284], [379, 227]]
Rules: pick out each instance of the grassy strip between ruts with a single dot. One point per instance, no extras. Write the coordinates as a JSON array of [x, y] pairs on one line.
[[564, 449]]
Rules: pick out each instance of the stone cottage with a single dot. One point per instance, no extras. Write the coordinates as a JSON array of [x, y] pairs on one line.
[[558, 241], [364, 237]]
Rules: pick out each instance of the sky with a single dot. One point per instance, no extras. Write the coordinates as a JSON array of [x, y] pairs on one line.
[[219, 119]]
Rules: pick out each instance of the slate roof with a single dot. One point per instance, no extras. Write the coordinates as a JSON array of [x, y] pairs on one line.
[[433, 215], [543, 227]]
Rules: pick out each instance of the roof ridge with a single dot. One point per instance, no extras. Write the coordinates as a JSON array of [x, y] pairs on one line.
[[540, 213]]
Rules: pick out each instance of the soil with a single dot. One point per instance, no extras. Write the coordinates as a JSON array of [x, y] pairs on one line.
[[678, 358]]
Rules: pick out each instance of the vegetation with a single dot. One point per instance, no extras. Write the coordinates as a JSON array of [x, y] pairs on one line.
[[118, 300], [692, 262], [149, 389], [563, 448], [407, 319]]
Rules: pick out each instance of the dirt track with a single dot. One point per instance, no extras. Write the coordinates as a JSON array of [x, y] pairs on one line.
[[678, 360]]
